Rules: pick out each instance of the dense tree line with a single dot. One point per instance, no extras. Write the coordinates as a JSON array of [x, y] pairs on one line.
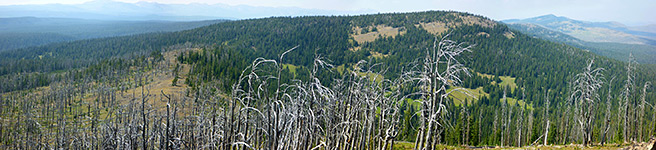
[[261, 83]]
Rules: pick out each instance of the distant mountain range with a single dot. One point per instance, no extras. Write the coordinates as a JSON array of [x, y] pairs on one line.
[[610, 39], [113, 10], [594, 31], [24, 32]]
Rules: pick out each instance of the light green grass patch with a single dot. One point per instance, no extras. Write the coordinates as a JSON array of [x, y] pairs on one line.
[[513, 101], [505, 80], [372, 76], [292, 68], [341, 68], [403, 145], [459, 97], [508, 81]]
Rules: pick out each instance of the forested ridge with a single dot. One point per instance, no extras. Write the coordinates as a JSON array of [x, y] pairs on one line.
[[332, 82], [618, 51], [23, 32]]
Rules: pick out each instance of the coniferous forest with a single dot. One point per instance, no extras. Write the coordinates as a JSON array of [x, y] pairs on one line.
[[423, 80]]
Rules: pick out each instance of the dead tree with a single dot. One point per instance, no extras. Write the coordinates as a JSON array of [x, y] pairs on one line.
[[626, 96], [529, 130], [546, 116], [641, 107], [520, 122], [585, 96], [504, 122], [495, 124], [439, 69], [607, 115]]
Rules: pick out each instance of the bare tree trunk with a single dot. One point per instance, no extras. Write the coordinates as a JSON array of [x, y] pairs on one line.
[[480, 120], [585, 96], [642, 110], [520, 123], [546, 116], [628, 90], [504, 122], [607, 115]]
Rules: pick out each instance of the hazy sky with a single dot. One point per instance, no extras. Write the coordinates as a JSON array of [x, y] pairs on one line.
[[631, 12]]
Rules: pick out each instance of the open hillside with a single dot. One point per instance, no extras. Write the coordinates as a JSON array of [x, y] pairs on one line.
[[436, 79], [645, 54], [592, 31]]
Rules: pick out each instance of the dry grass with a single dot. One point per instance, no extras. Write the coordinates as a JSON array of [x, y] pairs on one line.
[[473, 20], [161, 81], [158, 81], [483, 34], [403, 145], [509, 35], [434, 28], [355, 48], [378, 55], [382, 31]]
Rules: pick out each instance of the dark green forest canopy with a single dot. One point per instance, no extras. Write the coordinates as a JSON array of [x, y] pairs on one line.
[[540, 68], [538, 64]]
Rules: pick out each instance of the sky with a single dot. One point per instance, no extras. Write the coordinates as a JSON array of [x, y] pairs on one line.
[[630, 12]]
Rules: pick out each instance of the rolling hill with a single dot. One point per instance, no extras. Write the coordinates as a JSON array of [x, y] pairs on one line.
[[336, 76], [24, 32], [643, 53], [591, 31]]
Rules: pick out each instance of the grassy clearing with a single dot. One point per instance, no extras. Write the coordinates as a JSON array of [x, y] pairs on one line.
[[459, 97], [341, 68], [403, 145], [372, 76], [434, 28], [378, 55], [381, 31], [508, 81], [521, 103], [505, 80], [292, 68]]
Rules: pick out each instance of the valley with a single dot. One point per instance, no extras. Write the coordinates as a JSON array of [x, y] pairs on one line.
[[610, 39]]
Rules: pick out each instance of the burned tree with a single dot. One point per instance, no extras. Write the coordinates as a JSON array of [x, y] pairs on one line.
[[625, 104], [641, 114], [439, 70], [585, 96], [607, 115]]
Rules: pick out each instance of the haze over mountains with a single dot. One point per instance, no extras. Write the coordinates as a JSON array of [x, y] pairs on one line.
[[50, 23], [594, 31], [113, 10], [610, 39], [38, 24], [24, 32]]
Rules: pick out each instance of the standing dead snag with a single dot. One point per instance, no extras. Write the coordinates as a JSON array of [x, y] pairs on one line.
[[521, 121], [641, 115], [607, 115], [626, 105], [585, 96], [546, 116], [440, 69], [504, 122]]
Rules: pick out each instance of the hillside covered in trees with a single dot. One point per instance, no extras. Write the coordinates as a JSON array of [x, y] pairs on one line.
[[378, 81]]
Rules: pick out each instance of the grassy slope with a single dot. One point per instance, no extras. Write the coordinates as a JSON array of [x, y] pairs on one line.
[[160, 82], [478, 92]]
